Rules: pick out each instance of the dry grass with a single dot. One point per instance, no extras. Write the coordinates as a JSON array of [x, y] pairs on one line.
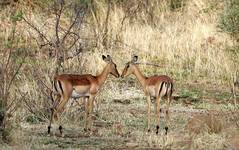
[[186, 43]]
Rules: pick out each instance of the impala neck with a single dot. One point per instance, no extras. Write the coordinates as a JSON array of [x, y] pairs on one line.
[[103, 75], [141, 78]]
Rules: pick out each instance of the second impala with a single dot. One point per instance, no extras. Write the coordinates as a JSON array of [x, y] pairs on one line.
[[157, 86]]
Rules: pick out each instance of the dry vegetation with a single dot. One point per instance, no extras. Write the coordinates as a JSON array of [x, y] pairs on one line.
[[186, 38]]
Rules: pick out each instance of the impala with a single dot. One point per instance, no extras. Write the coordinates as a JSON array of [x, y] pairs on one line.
[[76, 86], [155, 87]]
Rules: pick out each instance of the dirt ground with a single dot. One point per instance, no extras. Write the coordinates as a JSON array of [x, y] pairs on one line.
[[198, 121]]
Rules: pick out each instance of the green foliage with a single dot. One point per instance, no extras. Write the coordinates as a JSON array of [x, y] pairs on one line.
[[6, 135], [194, 94], [83, 1], [45, 1], [234, 53], [177, 4], [2, 113], [229, 19], [223, 96], [17, 16], [33, 119]]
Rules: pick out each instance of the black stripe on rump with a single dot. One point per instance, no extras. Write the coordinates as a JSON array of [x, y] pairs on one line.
[[54, 83], [161, 87], [171, 91], [60, 86]]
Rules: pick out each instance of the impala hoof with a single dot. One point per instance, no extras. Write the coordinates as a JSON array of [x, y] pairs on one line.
[[166, 130], [60, 128], [49, 129], [86, 130], [157, 129]]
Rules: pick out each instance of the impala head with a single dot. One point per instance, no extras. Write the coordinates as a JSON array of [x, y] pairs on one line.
[[112, 66], [129, 67]]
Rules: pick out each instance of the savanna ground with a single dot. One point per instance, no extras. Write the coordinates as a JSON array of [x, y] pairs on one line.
[[201, 118], [194, 42]]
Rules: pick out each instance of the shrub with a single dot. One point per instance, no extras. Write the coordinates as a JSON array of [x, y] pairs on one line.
[[177, 4], [229, 19]]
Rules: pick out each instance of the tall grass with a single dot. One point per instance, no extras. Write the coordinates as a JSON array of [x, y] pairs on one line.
[[184, 39], [187, 43]]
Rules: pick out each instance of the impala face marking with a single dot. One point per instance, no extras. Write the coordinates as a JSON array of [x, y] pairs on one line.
[[158, 86], [76, 86]]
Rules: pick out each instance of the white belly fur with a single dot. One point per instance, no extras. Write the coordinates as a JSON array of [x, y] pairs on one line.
[[80, 91], [75, 94]]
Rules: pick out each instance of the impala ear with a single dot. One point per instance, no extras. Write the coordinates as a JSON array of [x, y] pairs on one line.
[[134, 59], [109, 58], [106, 59], [103, 57]]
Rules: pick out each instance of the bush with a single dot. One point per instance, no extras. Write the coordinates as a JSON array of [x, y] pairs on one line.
[[177, 4], [229, 19]]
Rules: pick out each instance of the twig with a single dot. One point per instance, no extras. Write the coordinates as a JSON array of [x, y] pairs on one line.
[[37, 30], [16, 105], [8, 60], [14, 75], [149, 64], [28, 106], [77, 39], [58, 17], [105, 34], [74, 55], [127, 45], [72, 25]]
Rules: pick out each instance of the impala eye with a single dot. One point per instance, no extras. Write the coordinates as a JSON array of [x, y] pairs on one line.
[[127, 66]]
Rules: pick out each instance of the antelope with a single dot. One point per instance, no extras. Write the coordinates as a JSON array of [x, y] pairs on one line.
[[84, 86], [155, 87]]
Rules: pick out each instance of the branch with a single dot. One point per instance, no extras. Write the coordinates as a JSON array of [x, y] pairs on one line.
[[29, 107], [107, 20], [127, 45], [74, 55], [58, 17], [38, 31], [14, 75], [72, 25], [149, 64], [16, 105], [38, 43], [74, 42], [8, 60]]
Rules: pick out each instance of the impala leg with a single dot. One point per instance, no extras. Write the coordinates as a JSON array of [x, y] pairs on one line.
[[97, 106], [52, 111], [158, 114], [51, 119], [59, 110], [167, 114], [54, 118], [153, 102], [91, 106], [149, 112], [86, 101]]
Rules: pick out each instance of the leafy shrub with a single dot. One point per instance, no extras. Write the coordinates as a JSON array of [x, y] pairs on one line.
[[33, 119], [229, 19], [177, 4]]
